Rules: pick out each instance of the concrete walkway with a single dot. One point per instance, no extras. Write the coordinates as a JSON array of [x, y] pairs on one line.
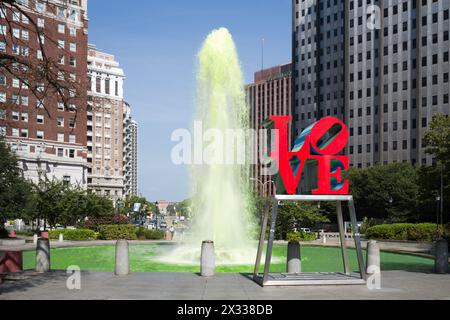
[[186, 286]]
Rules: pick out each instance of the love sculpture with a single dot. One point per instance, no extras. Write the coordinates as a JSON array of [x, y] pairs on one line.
[[311, 147], [322, 143]]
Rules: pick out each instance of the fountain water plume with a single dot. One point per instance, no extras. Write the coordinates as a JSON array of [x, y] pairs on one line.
[[221, 204]]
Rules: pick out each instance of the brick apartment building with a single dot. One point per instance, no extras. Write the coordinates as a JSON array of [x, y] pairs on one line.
[[47, 135]]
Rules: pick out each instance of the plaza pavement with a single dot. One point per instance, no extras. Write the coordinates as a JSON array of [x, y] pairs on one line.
[[396, 285]]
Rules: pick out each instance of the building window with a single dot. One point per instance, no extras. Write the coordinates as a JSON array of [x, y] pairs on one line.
[[61, 28], [24, 133], [72, 138], [60, 137], [71, 153], [107, 86], [40, 134], [98, 86], [66, 180], [40, 119], [60, 122], [60, 152], [24, 117]]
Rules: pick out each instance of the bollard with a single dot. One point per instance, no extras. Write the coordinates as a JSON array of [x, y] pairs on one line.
[[207, 260], [35, 239], [373, 256], [122, 264], [324, 238], [61, 237], [294, 261], [441, 257], [43, 256]]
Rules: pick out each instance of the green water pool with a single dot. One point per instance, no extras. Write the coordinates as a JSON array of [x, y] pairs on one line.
[[314, 259]]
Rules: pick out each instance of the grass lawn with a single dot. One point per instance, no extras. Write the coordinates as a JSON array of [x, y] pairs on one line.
[[314, 259]]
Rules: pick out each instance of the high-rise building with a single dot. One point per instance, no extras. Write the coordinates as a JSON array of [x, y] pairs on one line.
[[47, 134], [270, 94], [318, 61], [105, 124], [390, 59], [130, 153], [397, 78]]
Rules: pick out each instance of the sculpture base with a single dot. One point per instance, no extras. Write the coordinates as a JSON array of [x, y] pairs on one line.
[[310, 279]]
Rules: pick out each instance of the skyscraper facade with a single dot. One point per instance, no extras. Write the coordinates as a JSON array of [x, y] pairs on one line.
[[130, 153], [387, 63]]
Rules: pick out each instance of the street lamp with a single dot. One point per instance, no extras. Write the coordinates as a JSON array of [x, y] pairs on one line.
[[264, 185], [156, 214]]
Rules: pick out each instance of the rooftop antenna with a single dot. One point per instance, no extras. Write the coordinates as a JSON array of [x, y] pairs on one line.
[[262, 55]]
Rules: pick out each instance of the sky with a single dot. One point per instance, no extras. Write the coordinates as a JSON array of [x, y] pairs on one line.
[[156, 43]]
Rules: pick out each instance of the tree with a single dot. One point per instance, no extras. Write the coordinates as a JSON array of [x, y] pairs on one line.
[[386, 192], [437, 139], [42, 75], [185, 208], [292, 215], [146, 206], [14, 190], [437, 143]]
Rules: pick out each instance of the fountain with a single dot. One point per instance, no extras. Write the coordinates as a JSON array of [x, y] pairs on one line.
[[222, 203]]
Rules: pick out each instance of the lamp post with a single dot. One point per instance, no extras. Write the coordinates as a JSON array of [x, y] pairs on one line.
[[264, 185], [156, 214], [438, 202]]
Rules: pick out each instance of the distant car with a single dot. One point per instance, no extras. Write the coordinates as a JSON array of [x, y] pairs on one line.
[[163, 224], [306, 230]]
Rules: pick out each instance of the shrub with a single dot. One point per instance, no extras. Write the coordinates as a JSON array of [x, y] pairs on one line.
[[74, 235], [403, 231], [300, 236], [95, 223], [117, 232], [144, 234]]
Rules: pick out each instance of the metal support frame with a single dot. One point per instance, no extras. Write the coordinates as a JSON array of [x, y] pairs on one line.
[[347, 277]]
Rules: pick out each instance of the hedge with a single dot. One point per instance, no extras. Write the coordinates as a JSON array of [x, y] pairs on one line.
[[403, 231], [144, 234], [94, 223], [301, 236], [73, 234], [117, 232]]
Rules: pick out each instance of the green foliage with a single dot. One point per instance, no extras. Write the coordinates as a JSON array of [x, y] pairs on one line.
[[300, 236], [146, 206], [184, 208], [73, 235], [117, 232], [368, 223], [94, 223], [144, 234], [293, 215], [14, 190], [437, 139], [374, 188], [404, 231]]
